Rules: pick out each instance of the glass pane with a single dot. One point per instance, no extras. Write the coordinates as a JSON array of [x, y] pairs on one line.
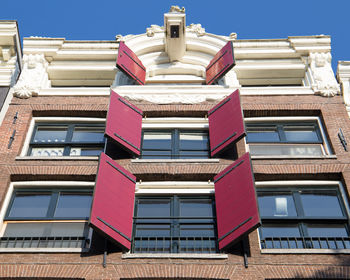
[[286, 230], [193, 141], [156, 154], [197, 231], [47, 152], [276, 204], [153, 208], [257, 134], [50, 134], [314, 204], [286, 150], [194, 154], [32, 205], [88, 134], [326, 230], [300, 133], [196, 208], [31, 229], [73, 205], [156, 140], [152, 231], [85, 151]]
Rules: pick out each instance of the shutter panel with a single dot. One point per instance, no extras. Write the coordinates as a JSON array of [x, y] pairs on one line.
[[226, 124], [222, 62], [236, 203], [113, 203], [130, 64], [124, 123]]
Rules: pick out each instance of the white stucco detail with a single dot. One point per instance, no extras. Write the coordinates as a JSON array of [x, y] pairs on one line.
[[196, 28], [34, 76], [150, 31], [343, 76], [324, 82]]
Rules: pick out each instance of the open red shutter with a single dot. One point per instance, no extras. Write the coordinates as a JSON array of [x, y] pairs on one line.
[[222, 62], [130, 64], [113, 203], [225, 123], [236, 204], [124, 123]]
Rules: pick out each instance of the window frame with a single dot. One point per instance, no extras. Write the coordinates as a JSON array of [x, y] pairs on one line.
[[280, 121], [57, 121], [301, 220], [44, 186]]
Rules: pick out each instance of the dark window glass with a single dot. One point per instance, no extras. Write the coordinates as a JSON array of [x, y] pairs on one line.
[[175, 144], [321, 204], [67, 140], [303, 218], [301, 133], [30, 205], [262, 134], [174, 225], [73, 205]]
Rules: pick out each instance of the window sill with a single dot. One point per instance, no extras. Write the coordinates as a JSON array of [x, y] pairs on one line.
[[294, 157], [58, 158], [44, 250], [174, 256], [201, 160], [305, 251]]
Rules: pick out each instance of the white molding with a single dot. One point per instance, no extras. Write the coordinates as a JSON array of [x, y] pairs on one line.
[[173, 256], [164, 123], [305, 251], [174, 187], [198, 160]]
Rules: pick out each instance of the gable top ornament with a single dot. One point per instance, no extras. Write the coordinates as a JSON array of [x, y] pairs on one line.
[[176, 9]]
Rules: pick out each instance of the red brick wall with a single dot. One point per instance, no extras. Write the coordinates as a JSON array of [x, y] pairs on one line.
[[89, 266]]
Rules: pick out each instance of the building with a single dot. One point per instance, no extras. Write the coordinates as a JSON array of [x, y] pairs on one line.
[[158, 144]]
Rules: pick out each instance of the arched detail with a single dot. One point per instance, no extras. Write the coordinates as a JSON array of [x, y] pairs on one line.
[[189, 69]]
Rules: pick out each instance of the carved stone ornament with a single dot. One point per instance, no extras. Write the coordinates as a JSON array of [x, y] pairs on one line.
[[176, 9], [120, 37], [197, 28], [324, 82], [233, 36], [33, 77], [150, 31]]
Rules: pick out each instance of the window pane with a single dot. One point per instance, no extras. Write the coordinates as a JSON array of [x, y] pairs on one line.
[[86, 151], [156, 140], [194, 154], [156, 154], [262, 134], [326, 230], [305, 133], [30, 205], [50, 134], [286, 230], [197, 231], [153, 208], [73, 205], [88, 134], [193, 141], [47, 152], [196, 208], [152, 231], [286, 150], [277, 205], [31, 229], [321, 204]]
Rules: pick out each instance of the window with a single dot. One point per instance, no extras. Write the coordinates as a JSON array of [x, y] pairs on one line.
[[312, 217], [67, 139], [175, 143], [286, 137], [174, 224], [46, 217]]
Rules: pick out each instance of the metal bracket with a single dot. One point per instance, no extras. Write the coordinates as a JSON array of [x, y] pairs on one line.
[[11, 139], [342, 140], [104, 263], [245, 253]]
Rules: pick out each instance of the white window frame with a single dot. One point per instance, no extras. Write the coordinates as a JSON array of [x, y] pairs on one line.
[[55, 120], [40, 185], [294, 183], [326, 149]]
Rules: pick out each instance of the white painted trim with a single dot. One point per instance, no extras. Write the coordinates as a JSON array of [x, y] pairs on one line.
[[295, 183], [294, 157], [305, 251], [174, 187], [164, 123], [173, 256], [174, 191], [44, 250], [63, 158]]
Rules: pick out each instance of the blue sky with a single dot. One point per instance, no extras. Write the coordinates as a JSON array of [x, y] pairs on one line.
[[250, 19]]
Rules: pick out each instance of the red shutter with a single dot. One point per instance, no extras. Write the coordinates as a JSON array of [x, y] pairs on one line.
[[222, 62], [225, 123], [124, 123], [236, 204], [113, 203], [130, 64]]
